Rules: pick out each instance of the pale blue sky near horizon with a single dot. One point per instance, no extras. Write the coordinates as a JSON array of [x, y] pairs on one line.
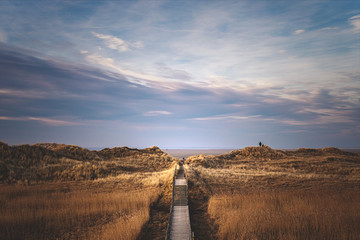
[[181, 74]]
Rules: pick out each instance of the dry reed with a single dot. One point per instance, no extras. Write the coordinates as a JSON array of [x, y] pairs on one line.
[[43, 212], [287, 215]]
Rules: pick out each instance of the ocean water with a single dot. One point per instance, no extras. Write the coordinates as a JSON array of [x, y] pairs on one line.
[[184, 153]]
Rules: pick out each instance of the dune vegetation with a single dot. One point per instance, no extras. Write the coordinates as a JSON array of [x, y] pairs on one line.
[[59, 162], [42, 212], [287, 215], [56, 191], [261, 193]]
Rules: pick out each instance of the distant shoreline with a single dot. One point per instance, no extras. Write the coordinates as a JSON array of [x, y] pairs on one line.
[[184, 153]]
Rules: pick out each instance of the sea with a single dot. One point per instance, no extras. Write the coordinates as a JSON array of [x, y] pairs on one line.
[[185, 153]]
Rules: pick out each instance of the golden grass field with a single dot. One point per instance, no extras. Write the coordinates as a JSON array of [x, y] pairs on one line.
[[113, 208], [287, 215], [260, 193], [53, 191], [41, 212]]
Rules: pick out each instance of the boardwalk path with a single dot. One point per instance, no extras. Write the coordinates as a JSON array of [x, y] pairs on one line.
[[179, 221]]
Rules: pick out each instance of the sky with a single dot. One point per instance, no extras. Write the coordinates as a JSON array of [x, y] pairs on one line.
[[180, 74]]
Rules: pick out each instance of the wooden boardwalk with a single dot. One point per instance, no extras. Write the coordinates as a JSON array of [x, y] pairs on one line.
[[179, 220]]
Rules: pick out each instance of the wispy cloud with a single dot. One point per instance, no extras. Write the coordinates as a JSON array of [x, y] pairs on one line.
[[118, 43], [48, 121], [226, 117], [299, 31], [171, 73], [3, 36], [355, 22], [149, 80], [317, 121], [23, 93], [156, 113], [329, 28]]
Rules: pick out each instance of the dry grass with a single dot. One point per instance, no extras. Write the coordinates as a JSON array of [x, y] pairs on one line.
[[42, 212], [261, 193], [113, 208], [287, 215], [67, 192], [247, 169], [28, 164]]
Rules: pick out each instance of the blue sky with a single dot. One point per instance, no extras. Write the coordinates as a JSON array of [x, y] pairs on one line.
[[180, 74]]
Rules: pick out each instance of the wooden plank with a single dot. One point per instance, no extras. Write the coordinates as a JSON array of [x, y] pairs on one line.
[[180, 227], [180, 181]]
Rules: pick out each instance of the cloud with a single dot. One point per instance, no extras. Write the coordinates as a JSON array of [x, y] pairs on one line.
[[318, 120], [227, 117], [3, 36], [329, 28], [23, 93], [148, 80], [355, 21], [156, 113], [109, 62], [48, 121], [34, 86], [299, 31], [118, 43], [168, 72]]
